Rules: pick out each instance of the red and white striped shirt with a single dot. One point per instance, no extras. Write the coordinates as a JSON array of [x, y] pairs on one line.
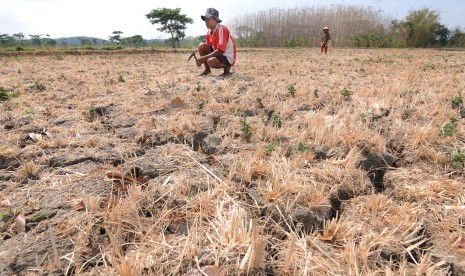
[[220, 38]]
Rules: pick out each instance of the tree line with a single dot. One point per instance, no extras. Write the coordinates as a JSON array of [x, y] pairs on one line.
[[350, 25], [171, 21], [116, 40]]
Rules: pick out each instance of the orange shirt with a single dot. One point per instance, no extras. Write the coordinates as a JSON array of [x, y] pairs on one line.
[[220, 38]]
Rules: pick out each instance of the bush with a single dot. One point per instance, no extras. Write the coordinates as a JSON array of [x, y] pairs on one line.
[[301, 41]]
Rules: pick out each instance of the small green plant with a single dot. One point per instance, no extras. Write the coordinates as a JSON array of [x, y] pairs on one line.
[[271, 147], [39, 86], [362, 116], [4, 95], [246, 130], [277, 121], [346, 94], [457, 159], [39, 216], [90, 113], [302, 148], [92, 110], [457, 101], [29, 112], [291, 90], [449, 128]]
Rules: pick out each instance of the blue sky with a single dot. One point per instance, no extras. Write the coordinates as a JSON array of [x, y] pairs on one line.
[[99, 18]]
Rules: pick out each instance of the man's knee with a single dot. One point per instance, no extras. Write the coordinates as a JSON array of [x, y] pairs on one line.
[[213, 62], [204, 48]]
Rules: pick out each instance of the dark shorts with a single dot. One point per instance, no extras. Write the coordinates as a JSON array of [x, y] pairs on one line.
[[224, 60]]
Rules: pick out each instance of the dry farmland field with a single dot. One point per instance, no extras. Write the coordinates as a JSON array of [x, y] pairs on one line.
[[297, 164]]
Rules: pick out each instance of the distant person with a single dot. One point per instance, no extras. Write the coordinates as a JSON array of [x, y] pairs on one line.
[[219, 49], [325, 38]]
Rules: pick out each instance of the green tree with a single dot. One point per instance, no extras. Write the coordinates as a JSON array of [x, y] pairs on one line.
[[116, 37], [422, 27], [135, 40], [49, 41], [83, 41], [457, 38], [5, 39], [20, 37], [171, 21], [36, 39], [442, 35]]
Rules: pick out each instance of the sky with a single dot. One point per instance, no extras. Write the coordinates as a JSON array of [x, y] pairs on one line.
[[99, 18]]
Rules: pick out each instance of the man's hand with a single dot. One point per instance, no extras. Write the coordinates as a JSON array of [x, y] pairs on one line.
[[201, 60]]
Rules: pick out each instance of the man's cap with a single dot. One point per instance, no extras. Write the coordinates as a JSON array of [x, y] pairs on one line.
[[211, 12], [326, 28]]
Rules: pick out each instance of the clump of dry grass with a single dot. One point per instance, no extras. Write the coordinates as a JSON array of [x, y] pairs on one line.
[[28, 169]]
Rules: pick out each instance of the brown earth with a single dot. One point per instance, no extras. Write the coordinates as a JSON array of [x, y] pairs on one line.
[[129, 163]]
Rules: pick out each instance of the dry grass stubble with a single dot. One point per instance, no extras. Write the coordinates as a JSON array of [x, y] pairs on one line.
[[240, 173]]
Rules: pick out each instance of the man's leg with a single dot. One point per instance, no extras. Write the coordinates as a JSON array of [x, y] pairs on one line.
[[216, 63], [326, 48], [205, 49]]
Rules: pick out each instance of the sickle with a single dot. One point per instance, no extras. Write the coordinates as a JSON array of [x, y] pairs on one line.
[[192, 55]]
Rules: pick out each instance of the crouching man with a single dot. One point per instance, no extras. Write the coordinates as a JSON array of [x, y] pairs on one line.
[[219, 49]]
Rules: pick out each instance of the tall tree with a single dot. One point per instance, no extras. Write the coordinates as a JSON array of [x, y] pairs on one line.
[[422, 27], [36, 39], [171, 21], [116, 37], [457, 38], [20, 37], [135, 40], [84, 41], [442, 35], [5, 39], [49, 41]]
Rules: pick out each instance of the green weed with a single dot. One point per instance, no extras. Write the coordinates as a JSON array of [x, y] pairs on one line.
[[277, 121], [457, 101], [39, 86], [271, 147], [457, 159], [29, 112], [4, 95], [291, 90], [346, 94], [246, 130], [449, 128], [302, 148]]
